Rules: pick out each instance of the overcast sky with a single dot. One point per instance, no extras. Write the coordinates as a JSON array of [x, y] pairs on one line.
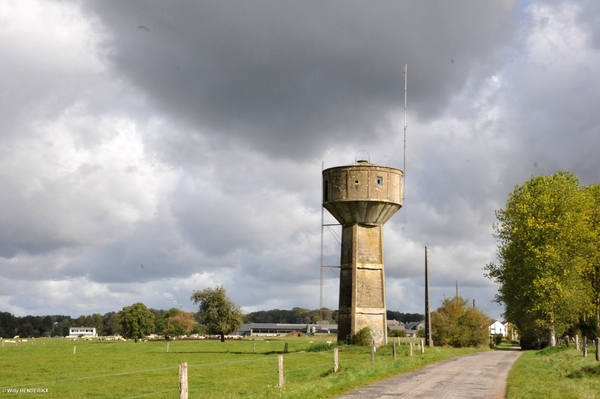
[[153, 148]]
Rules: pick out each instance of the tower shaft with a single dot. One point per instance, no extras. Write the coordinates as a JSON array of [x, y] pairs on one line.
[[362, 282]]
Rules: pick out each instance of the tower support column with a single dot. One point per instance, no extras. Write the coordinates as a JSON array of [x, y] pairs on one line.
[[362, 282]]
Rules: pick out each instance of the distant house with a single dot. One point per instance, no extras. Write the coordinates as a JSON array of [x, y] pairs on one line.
[[395, 325], [82, 332], [497, 328], [413, 327]]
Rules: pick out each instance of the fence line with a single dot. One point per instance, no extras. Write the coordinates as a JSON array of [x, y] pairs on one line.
[[156, 369], [205, 384], [230, 380], [93, 377], [267, 358]]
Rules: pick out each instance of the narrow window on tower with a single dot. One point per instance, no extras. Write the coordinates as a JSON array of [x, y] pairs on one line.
[[379, 181], [325, 191]]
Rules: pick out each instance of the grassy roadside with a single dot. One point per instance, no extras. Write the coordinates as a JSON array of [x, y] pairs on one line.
[[559, 372], [234, 369]]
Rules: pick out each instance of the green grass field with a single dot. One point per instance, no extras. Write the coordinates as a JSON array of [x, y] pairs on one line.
[[555, 373], [233, 369]]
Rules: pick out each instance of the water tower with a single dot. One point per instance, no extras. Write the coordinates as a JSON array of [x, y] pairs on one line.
[[362, 197]]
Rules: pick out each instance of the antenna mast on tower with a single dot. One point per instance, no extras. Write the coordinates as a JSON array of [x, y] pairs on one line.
[[405, 95]]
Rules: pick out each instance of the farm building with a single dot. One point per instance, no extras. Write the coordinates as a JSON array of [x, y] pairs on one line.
[[277, 329], [82, 332]]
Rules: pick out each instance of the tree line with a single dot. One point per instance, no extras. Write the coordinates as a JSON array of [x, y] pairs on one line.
[[307, 316], [171, 322], [548, 268]]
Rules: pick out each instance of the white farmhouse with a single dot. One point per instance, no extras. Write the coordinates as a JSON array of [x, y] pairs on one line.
[[82, 332], [497, 328]]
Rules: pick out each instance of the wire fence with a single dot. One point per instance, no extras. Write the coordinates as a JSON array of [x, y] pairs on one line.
[[297, 363]]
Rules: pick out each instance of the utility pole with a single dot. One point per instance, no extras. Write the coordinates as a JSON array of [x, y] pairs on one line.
[[457, 288], [428, 340]]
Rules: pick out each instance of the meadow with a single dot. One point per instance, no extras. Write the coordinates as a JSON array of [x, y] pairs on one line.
[[60, 368], [555, 373]]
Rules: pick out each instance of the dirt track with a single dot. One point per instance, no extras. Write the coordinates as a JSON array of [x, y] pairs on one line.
[[482, 375]]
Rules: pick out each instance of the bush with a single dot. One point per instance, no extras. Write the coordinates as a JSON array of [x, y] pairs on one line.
[[532, 341], [397, 333], [498, 339], [362, 338], [459, 325], [319, 347]]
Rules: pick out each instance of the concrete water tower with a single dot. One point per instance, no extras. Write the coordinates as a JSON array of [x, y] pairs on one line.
[[362, 197]]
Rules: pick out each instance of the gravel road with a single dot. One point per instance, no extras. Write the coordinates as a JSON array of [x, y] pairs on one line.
[[481, 375]]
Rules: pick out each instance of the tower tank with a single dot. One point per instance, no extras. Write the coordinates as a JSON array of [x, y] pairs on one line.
[[362, 197]]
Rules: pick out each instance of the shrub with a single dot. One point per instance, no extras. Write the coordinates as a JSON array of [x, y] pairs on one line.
[[498, 339], [397, 333], [362, 338], [319, 347], [459, 325]]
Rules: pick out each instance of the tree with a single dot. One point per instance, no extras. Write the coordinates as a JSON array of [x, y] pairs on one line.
[[137, 321], [217, 312], [97, 322], [457, 324], [63, 327], [112, 323], [544, 254], [80, 322], [175, 322], [593, 193], [47, 326]]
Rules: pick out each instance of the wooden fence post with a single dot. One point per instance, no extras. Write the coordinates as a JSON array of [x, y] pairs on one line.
[[335, 360], [74, 349], [183, 380], [597, 349], [422, 347], [168, 346], [253, 346], [285, 349], [394, 351], [567, 340], [584, 346], [281, 380], [577, 341], [373, 352], [411, 345]]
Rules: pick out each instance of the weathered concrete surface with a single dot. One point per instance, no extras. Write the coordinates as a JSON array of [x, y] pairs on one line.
[[362, 197], [481, 375]]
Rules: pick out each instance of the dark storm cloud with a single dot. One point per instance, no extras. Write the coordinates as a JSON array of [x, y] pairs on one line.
[[151, 148], [286, 77]]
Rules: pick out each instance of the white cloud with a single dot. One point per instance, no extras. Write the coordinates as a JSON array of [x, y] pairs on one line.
[[141, 164]]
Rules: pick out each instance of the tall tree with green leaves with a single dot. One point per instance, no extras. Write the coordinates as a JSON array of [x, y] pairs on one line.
[[137, 321], [217, 312], [593, 192], [544, 251]]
